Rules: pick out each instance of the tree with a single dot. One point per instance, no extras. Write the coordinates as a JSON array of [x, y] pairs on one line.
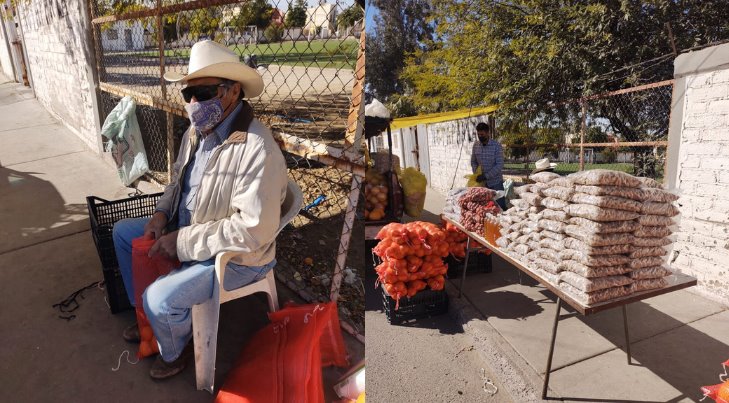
[[595, 134], [400, 28], [255, 12], [296, 16], [199, 22], [274, 33], [350, 16], [530, 56]]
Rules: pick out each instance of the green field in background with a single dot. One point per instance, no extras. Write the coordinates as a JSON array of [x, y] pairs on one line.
[[330, 53], [564, 169]]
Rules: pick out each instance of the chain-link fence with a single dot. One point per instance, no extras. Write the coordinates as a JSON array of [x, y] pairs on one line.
[[625, 130], [311, 59]]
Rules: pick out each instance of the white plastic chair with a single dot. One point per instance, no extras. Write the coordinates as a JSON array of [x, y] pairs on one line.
[[205, 316]]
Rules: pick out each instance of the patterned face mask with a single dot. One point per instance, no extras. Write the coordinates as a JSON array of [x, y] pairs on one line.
[[206, 114]]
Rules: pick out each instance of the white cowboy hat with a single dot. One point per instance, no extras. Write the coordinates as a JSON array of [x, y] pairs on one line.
[[543, 165], [211, 59]]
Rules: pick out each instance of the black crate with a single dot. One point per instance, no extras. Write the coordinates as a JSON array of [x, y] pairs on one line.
[[477, 263], [103, 214], [115, 291], [425, 303]]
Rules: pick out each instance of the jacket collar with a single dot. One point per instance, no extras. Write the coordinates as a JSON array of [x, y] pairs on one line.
[[241, 124]]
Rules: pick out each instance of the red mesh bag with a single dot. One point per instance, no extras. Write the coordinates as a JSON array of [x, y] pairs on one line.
[[283, 361], [719, 392], [331, 342], [145, 270]]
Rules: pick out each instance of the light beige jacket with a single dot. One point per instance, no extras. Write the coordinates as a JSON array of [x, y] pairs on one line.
[[238, 204]]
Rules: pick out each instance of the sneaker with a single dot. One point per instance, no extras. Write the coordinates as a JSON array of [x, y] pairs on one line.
[[131, 334], [163, 370]]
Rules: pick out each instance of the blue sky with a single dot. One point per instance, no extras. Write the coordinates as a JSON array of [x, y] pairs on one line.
[[370, 13]]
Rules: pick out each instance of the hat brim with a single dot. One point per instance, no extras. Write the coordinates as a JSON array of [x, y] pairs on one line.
[[249, 79], [551, 167]]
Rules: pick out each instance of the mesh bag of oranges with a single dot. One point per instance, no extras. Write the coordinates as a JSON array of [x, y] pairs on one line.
[[145, 270], [376, 195]]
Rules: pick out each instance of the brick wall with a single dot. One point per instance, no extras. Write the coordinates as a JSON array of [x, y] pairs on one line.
[[60, 59], [450, 152], [700, 130]]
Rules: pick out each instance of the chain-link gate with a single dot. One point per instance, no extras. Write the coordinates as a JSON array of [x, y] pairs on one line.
[[625, 130], [312, 63]]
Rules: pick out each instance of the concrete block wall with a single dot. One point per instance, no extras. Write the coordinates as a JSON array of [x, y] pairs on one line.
[[60, 57], [450, 149], [698, 168]]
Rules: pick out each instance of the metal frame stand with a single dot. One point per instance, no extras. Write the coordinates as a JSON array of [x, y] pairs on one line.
[[627, 337], [465, 264], [554, 337], [465, 267]]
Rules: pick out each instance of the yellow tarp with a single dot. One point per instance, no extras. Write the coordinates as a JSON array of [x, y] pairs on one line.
[[409, 121]]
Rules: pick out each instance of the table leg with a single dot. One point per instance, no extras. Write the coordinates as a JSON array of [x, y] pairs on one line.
[[465, 267], [627, 338], [551, 349]]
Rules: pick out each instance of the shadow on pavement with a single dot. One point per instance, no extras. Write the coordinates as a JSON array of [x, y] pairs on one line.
[[681, 355], [33, 210]]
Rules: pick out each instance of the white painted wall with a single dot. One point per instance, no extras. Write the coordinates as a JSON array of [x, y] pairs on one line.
[[449, 150], [120, 42], [445, 150], [60, 56], [6, 61], [698, 167]]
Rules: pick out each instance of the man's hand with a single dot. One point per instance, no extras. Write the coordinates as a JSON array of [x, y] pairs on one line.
[[481, 178], [166, 246], [155, 226]]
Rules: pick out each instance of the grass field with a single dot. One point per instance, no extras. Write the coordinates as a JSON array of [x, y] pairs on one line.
[[564, 169], [331, 53]]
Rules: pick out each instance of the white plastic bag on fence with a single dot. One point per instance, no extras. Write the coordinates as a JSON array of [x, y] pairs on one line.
[[125, 141]]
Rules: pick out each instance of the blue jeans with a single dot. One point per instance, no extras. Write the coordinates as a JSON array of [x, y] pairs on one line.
[[168, 301]]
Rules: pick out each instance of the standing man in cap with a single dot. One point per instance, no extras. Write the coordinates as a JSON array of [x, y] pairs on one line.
[[225, 194], [488, 154]]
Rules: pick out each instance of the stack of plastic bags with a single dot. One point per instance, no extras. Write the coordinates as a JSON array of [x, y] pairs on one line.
[[599, 235]]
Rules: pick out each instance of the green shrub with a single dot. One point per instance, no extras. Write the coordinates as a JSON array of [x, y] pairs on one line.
[[609, 155], [274, 32]]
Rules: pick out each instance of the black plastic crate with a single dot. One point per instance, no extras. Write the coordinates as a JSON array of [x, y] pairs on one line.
[[425, 303], [477, 263], [115, 291], [103, 214]]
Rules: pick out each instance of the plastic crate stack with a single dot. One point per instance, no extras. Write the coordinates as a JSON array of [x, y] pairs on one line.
[[600, 235]]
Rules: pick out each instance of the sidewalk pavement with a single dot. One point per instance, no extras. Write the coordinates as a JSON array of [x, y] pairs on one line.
[[432, 359], [47, 253], [678, 340]]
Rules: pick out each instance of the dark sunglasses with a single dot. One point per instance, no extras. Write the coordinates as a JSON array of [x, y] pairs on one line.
[[201, 92]]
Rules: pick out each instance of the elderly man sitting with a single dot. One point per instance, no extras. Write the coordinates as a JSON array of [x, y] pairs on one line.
[[226, 191]]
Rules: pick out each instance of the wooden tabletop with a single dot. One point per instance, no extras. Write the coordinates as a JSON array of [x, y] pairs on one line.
[[676, 281]]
